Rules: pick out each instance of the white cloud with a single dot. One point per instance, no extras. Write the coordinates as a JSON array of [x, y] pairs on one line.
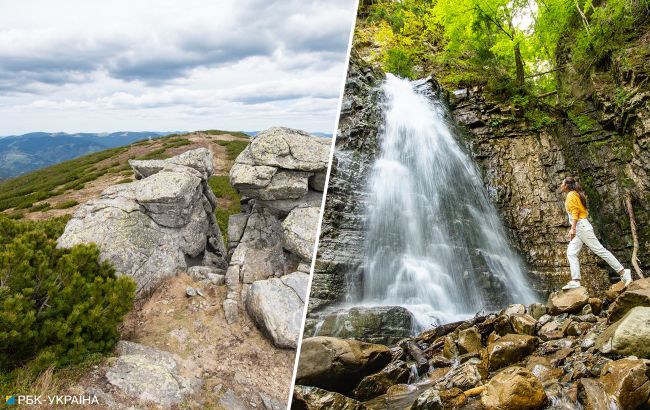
[[75, 65]]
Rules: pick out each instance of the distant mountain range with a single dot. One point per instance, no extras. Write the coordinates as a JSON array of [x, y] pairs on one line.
[[23, 153]]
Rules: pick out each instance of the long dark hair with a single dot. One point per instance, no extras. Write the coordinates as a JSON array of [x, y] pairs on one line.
[[573, 185]]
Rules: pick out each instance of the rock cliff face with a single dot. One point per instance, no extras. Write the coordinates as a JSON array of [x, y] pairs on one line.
[[606, 145], [157, 226], [281, 177], [341, 239]]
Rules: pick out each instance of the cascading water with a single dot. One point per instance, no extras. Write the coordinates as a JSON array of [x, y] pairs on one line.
[[434, 241]]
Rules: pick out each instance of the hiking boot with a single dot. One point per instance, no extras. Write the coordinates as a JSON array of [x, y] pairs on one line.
[[571, 285], [626, 277]]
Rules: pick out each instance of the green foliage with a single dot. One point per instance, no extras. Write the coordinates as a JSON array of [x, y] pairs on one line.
[[43, 206], [584, 122], [222, 189], [234, 147], [57, 306], [67, 204]]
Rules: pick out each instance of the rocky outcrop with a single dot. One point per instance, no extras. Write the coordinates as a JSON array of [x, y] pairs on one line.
[[313, 398], [575, 357], [149, 375], [157, 226], [280, 177]]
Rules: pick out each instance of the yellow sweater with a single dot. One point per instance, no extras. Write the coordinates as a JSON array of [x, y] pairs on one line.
[[574, 206]]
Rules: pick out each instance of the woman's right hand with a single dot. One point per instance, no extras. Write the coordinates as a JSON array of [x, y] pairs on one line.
[[571, 234]]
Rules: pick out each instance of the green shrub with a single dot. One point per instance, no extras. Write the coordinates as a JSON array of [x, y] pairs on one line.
[[57, 306], [67, 204], [222, 132], [40, 207]]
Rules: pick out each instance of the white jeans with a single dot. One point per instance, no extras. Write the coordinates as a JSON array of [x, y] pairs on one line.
[[585, 234]]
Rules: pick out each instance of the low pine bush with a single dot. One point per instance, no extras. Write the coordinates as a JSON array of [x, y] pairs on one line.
[[57, 306]]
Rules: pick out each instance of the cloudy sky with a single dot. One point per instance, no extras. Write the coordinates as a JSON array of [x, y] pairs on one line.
[[94, 66]]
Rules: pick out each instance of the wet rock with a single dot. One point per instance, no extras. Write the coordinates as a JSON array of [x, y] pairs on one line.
[[514, 388], [629, 336], [523, 324], [428, 400], [469, 340], [299, 230], [378, 383], [567, 301], [339, 364], [276, 306], [596, 305], [381, 324], [516, 309], [509, 349], [149, 375], [626, 301], [592, 395], [465, 376], [627, 381], [149, 228], [313, 398]]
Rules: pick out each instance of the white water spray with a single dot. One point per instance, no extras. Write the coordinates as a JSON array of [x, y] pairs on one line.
[[434, 242]]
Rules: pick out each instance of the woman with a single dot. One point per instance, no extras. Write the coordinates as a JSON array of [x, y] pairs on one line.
[[582, 232]]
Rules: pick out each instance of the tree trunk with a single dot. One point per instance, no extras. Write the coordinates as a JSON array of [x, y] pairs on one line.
[[520, 66]]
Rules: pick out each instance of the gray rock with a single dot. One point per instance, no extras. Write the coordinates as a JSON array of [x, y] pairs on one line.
[[276, 306], [317, 181], [148, 228], [289, 149], [282, 207], [300, 231], [231, 310], [199, 159], [149, 375], [283, 185], [190, 291], [236, 226], [230, 401], [243, 176]]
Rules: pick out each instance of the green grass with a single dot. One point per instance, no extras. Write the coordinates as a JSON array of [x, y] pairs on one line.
[[44, 183], [234, 148], [222, 132], [221, 187]]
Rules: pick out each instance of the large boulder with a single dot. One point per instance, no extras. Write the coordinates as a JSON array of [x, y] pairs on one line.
[[514, 388], [339, 364], [629, 336], [150, 228], [149, 375], [379, 324], [299, 229], [276, 306], [509, 349], [313, 398], [628, 300], [567, 301], [627, 381]]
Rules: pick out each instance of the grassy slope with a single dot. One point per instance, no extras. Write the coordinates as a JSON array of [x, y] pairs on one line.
[[56, 190]]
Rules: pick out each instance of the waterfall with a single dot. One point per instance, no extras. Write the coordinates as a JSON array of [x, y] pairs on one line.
[[434, 243]]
